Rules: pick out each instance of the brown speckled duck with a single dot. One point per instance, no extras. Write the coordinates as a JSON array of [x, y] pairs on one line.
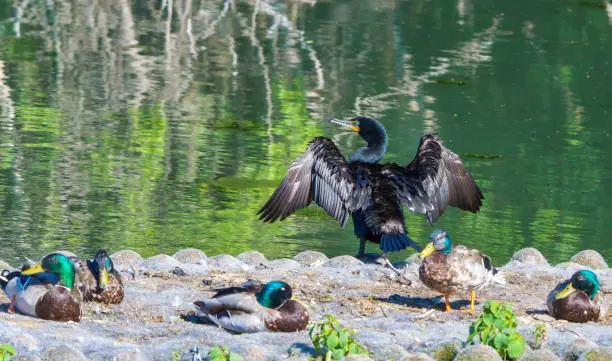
[[51, 296], [578, 299], [455, 270], [98, 280], [254, 307]]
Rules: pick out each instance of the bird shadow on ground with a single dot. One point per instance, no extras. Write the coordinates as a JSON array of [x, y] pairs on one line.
[[302, 349], [193, 317], [421, 302]]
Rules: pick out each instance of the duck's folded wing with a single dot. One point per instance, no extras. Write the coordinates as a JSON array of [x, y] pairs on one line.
[[320, 174], [241, 302], [435, 179]]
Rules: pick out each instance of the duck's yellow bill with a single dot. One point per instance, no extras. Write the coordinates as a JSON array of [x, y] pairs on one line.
[[429, 249], [568, 290], [36, 269]]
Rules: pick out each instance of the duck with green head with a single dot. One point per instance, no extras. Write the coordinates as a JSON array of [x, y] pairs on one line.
[[456, 270], [98, 280], [41, 297], [255, 307], [578, 299]]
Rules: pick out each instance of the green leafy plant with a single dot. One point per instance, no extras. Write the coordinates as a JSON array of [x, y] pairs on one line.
[[220, 353], [496, 327], [540, 335], [332, 341], [7, 352]]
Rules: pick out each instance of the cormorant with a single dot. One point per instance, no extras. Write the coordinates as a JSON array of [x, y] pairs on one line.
[[374, 193]]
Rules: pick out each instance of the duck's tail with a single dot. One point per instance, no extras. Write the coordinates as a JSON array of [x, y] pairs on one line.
[[498, 277]]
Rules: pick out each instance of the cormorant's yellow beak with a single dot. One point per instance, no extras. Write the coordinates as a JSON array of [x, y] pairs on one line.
[[429, 249], [568, 290], [36, 269], [103, 278], [349, 124]]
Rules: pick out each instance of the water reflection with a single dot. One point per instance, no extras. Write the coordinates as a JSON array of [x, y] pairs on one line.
[[158, 125]]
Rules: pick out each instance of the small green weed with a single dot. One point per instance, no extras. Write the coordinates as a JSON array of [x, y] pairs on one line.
[[496, 327], [7, 352], [332, 341], [220, 353], [540, 335]]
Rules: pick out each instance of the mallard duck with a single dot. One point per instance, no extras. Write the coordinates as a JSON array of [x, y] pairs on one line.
[[97, 279], [41, 296], [254, 307], [371, 192], [455, 270], [578, 299]]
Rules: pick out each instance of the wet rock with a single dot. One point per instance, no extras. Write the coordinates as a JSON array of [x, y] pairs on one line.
[[590, 258], [4, 265], [160, 262], [539, 355], [284, 263], [343, 262], [529, 256], [599, 354], [225, 261], [190, 256], [419, 356], [311, 258], [478, 353], [63, 353], [131, 355], [577, 348], [252, 258], [446, 351], [123, 260]]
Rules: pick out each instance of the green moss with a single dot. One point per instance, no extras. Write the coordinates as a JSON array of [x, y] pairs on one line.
[[446, 351]]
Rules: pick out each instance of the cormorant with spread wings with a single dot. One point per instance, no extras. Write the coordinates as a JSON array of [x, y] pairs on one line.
[[374, 193]]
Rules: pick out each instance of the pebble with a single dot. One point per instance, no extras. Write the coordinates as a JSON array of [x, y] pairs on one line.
[[342, 262], [252, 258], [539, 355], [122, 260], [160, 262], [529, 256], [63, 353], [590, 258], [190, 256], [311, 258], [577, 348], [478, 353], [284, 263]]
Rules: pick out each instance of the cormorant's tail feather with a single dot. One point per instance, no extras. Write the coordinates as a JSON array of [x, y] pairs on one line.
[[391, 242]]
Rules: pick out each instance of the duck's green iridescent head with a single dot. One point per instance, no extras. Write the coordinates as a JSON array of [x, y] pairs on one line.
[[103, 265], [438, 241], [274, 294], [585, 281], [57, 264]]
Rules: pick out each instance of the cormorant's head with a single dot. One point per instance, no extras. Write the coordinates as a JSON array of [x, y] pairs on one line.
[[57, 264], [585, 281], [369, 129], [103, 264], [438, 241], [274, 294]]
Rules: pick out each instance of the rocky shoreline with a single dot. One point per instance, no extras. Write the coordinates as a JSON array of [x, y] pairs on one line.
[[394, 320]]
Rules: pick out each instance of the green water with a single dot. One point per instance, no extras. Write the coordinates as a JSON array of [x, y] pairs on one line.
[[161, 125]]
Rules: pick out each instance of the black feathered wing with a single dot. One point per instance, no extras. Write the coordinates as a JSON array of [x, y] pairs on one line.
[[320, 174], [435, 179]]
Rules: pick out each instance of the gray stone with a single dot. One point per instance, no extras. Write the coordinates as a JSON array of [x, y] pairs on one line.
[[284, 263], [358, 357], [600, 354], [590, 258], [252, 258], [418, 356], [539, 355], [131, 355], [4, 265], [311, 258], [414, 258], [446, 351], [190, 256], [26, 357], [225, 261], [569, 266], [577, 348], [160, 262], [62, 353], [529, 256], [194, 269], [343, 262], [25, 342], [478, 353], [122, 260]]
